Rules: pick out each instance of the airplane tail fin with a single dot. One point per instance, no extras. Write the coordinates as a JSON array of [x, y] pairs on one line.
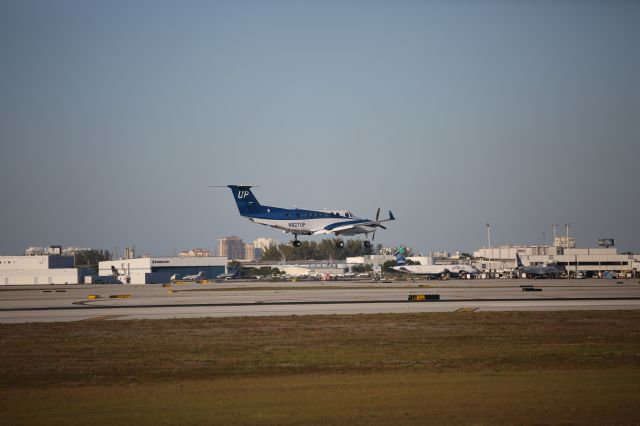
[[400, 260], [519, 261], [246, 201]]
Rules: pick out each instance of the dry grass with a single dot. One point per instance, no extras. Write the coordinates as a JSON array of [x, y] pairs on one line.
[[528, 367]]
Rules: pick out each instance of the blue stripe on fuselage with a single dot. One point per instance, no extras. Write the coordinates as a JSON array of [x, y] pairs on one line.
[[277, 213]]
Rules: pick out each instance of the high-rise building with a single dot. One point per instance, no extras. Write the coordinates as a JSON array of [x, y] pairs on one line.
[[261, 245], [231, 247], [249, 252], [264, 243], [196, 252]]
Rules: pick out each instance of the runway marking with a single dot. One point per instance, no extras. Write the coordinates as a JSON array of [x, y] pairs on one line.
[[467, 310], [102, 318]]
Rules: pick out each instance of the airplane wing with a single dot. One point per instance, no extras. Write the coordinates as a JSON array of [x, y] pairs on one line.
[[337, 228]]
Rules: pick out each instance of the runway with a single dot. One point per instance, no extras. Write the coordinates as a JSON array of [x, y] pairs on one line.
[[250, 298]]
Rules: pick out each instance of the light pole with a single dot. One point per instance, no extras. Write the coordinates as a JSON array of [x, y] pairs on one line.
[[567, 225], [489, 243]]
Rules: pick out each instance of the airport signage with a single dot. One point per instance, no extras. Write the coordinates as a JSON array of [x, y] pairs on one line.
[[606, 242]]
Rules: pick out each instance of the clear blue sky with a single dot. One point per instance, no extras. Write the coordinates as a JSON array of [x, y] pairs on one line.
[[115, 116]]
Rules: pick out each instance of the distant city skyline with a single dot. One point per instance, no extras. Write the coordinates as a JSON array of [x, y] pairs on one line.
[[116, 116]]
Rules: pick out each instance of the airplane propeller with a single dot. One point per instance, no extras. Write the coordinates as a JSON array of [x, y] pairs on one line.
[[373, 237]]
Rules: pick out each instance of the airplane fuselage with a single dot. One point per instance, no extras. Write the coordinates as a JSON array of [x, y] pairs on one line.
[[422, 269], [307, 222]]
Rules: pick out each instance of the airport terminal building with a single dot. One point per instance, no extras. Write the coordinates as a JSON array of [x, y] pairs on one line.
[[158, 270], [590, 261]]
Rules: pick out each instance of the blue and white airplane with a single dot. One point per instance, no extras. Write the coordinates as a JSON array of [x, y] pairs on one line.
[[305, 222]]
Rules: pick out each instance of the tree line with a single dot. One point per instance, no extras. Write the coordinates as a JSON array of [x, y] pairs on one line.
[[323, 250], [90, 258]]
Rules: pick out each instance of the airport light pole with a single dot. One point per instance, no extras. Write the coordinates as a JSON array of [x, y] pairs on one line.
[[489, 243], [555, 226], [567, 225]]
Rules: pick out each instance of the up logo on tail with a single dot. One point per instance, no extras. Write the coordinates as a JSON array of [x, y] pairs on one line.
[[242, 194]]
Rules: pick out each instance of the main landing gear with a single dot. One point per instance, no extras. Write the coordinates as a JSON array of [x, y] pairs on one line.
[[295, 241], [340, 244]]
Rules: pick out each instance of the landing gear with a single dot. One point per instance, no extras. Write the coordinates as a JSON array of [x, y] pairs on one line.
[[367, 243], [340, 244], [295, 241]]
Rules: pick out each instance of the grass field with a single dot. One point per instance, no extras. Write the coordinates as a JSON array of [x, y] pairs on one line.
[[461, 368]]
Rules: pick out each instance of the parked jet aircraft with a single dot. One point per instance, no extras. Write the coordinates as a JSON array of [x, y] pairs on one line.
[[232, 274], [305, 222], [462, 268], [197, 277], [438, 271], [549, 271]]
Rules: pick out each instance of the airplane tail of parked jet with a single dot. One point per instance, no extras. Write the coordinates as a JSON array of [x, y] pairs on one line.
[[400, 259], [519, 261], [245, 200]]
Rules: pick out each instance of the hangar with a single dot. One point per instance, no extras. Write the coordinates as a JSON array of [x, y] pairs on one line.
[[46, 269], [158, 270]]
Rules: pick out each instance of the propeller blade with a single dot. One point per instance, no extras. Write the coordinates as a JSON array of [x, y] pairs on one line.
[[382, 226], [378, 214], [373, 237]]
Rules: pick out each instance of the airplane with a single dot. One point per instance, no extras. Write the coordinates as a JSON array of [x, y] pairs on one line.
[[462, 268], [551, 270], [437, 271], [305, 222], [232, 274], [197, 277]]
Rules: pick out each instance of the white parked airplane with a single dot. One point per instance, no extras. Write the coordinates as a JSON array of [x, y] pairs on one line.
[[197, 277], [305, 222], [438, 271]]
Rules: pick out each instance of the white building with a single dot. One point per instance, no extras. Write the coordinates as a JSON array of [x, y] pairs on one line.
[[20, 270], [586, 260], [508, 252], [312, 269], [195, 252], [157, 270], [374, 260]]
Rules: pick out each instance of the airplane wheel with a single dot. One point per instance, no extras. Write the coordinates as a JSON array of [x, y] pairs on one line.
[[297, 243], [367, 243], [340, 244]]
